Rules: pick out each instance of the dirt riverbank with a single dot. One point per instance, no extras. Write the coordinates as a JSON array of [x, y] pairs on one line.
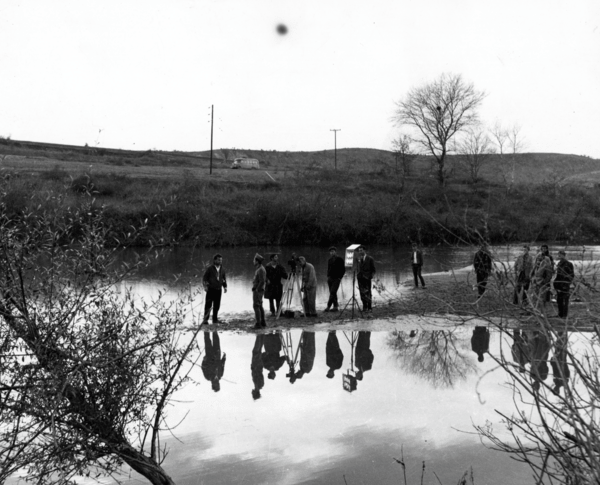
[[449, 299]]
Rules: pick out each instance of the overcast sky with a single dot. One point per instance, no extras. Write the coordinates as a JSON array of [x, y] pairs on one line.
[[143, 74]]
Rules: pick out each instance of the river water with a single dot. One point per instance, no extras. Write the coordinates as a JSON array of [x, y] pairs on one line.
[[340, 407]]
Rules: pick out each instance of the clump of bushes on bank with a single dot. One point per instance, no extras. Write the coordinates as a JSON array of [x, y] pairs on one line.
[[318, 207]]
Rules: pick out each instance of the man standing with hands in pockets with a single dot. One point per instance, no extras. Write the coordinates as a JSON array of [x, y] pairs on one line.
[[214, 280], [336, 269]]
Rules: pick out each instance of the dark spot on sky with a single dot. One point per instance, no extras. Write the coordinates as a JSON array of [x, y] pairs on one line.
[[282, 29]]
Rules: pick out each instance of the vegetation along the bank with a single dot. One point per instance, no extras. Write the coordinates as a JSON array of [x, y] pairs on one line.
[[300, 198]]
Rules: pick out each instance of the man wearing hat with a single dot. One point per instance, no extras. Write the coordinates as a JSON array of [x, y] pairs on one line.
[[335, 272], [258, 291]]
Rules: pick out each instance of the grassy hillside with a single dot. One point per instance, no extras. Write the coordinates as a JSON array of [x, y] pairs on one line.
[[297, 197]]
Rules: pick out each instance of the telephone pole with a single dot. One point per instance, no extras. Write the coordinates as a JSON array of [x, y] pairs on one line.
[[335, 145], [212, 112]]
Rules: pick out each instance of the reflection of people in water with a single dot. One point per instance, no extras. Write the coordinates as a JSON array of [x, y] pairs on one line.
[[213, 365], [334, 355], [363, 356], [540, 348], [560, 368], [256, 366], [480, 341], [520, 349], [307, 353], [271, 358]]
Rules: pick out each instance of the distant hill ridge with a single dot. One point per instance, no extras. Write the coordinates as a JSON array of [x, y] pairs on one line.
[[529, 167]]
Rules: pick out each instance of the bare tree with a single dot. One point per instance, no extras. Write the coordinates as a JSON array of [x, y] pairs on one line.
[[438, 111], [86, 372], [404, 153], [475, 150], [510, 143]]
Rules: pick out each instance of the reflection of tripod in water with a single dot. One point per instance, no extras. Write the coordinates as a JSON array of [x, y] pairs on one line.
[[290, 355], [349, 379], [352, 301], [293, 282]]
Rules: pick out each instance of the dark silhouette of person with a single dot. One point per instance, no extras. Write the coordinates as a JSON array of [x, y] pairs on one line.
[[565, 274], [482, 263], [256, 366], [560, 369], [480, 341], [363, 357], [334, 355], [539, 345], [271, 358], [307, 353], [213, 365], [520, 349]]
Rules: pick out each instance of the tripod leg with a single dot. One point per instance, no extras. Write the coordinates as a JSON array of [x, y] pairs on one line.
[[284, 298]]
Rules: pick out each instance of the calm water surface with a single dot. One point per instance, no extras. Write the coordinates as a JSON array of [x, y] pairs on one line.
[[293, 424], [321, 408]]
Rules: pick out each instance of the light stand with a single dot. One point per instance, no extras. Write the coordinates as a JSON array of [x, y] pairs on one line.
[[353, 301]]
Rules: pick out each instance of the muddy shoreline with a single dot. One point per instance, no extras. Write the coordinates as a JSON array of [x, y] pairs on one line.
[[448, 300]]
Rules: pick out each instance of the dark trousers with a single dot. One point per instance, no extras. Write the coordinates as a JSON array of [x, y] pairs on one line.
[[257, 304], [275, 293], [334, 284], [520, 295], [364, 287], [213, 300], [562, 299], [274, 304], [417, 274], [482, 282]]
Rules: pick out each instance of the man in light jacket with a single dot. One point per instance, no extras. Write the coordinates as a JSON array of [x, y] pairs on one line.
[[258, 291], [309, 287]]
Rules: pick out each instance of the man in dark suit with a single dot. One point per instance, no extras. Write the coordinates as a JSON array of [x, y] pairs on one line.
[[565, 274], [214, 280], [364, 275], [416, 260], [336, 269]]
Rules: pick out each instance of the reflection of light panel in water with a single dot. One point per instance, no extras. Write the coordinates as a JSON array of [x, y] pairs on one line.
[[313, 431]]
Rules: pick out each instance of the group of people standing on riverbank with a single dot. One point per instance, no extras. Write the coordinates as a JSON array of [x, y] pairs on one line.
[[268, 282], [535, 273]]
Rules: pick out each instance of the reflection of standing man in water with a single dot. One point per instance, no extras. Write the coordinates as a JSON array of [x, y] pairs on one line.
[[334, 355], [480, 341], [560, 368], [520, 349], [271, 358], [307, 353], [363, 356], [256, 366], [213, 365], [540, 348]]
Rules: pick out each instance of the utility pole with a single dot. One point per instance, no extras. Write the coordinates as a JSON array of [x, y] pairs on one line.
[[335, 146], [212, 112]]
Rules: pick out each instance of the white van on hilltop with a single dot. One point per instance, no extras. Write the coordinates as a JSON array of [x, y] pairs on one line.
[[245, 163]]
